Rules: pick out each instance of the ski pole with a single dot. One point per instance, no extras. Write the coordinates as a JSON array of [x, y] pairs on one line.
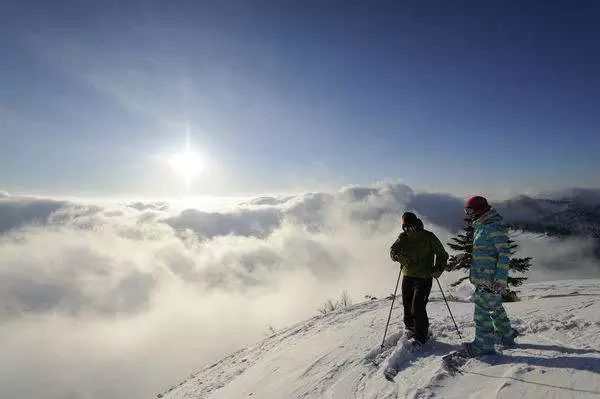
[[448, 306], [391, 307]]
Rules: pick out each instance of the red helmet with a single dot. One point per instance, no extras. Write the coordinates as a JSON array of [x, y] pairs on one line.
[[476, 206]]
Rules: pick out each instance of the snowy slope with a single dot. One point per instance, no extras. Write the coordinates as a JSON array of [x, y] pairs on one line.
[[557, 357]]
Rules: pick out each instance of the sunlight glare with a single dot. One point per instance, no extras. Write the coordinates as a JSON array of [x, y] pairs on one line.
[[187, 164]]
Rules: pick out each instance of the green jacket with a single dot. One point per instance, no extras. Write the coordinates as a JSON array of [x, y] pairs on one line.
[[420, 253]]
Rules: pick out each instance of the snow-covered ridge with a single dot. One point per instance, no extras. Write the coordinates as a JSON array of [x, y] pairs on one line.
[[558, 354], [560, 217]]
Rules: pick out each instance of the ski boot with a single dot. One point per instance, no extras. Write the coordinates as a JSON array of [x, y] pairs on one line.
[[414, 345], [390, 373], [453, 361], [508, 341]]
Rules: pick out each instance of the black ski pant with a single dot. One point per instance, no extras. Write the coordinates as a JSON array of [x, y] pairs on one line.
[[415, 294]]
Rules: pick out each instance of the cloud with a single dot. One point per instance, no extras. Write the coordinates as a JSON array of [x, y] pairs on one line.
[[559, 258], [130, 297], [74, 272], [122, 294], [268, 201], [255, 223], [155, 206], [16, 211], [310, 209], [440, 209]]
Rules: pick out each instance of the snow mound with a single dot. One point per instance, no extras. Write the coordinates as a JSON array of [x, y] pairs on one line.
[[557, 356]]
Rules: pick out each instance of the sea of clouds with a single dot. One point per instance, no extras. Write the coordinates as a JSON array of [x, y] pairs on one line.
[[122, 299]]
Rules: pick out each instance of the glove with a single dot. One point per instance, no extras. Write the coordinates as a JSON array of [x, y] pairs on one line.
[[458, 262], [436, 272]]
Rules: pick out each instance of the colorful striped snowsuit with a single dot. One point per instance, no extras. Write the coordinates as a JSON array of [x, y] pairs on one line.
[[491, 256]]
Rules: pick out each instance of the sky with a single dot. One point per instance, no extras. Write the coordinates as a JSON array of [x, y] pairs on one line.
[[282, 96]]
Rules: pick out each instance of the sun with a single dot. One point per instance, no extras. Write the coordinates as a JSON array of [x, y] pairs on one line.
[[187, 164]]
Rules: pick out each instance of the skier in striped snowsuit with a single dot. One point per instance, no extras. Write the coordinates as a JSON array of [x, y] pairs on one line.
[[489, 274]]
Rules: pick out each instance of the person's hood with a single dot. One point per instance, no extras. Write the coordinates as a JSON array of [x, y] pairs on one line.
[[491, 216]]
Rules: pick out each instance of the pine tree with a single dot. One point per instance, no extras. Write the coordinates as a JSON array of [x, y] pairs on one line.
[[463, 244]]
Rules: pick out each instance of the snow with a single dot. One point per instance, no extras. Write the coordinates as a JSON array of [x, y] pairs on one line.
[[464, 291], [558, 355]]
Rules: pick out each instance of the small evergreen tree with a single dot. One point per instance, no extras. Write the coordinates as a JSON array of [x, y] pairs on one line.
[[462, 243]]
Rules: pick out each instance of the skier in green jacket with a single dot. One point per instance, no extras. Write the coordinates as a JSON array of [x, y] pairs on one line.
[[422, 257]]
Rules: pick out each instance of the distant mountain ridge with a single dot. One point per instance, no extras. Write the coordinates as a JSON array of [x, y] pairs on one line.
[[561, 217]]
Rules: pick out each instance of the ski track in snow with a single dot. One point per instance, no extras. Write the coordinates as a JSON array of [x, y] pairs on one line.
[[558, 354]]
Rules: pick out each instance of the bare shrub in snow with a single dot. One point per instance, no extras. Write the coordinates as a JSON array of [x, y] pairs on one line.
[[329, 306]]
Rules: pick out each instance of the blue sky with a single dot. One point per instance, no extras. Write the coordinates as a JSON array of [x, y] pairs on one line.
[[294, 95]]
